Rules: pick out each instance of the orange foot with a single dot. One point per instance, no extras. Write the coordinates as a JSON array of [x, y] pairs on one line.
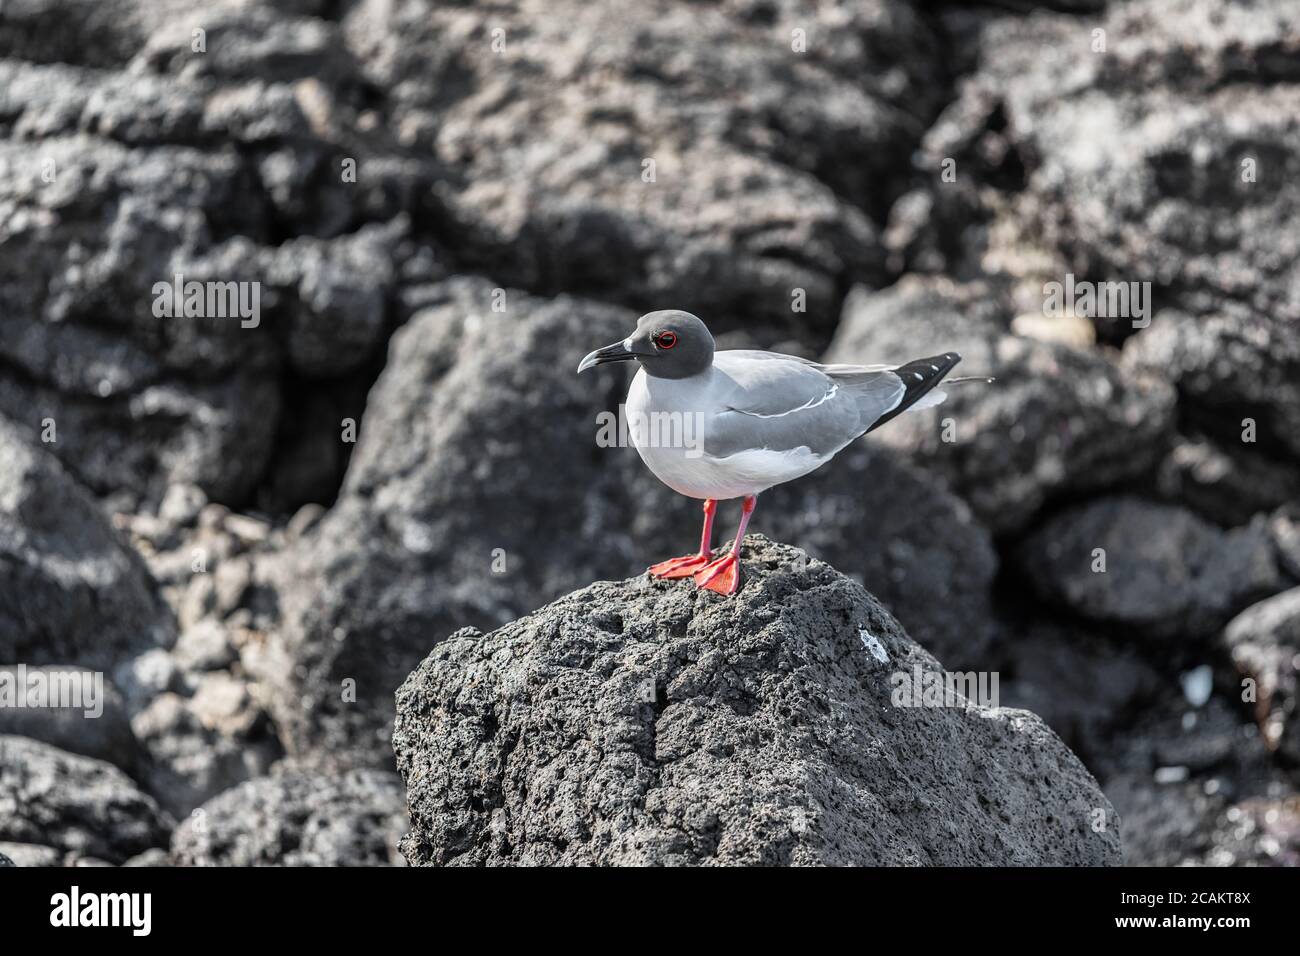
[[722, 575], [678, 567]]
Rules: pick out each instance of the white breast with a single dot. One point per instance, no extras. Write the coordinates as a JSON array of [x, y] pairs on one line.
[[667, 428]]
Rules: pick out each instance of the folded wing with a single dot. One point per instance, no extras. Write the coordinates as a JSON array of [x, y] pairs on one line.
[[782, 403]]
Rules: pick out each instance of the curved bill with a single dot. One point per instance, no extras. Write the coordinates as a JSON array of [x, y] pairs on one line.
[[618, 352]]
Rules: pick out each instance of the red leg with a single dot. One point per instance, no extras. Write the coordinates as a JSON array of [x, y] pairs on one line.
[[688, 565], [723, 575]]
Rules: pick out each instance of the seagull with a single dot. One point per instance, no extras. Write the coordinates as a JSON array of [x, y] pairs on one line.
[[721, 425]]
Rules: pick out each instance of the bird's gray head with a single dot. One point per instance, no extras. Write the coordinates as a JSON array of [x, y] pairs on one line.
[[668, 344]]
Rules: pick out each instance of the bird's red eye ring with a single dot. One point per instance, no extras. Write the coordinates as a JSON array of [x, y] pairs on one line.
[[666, 340]]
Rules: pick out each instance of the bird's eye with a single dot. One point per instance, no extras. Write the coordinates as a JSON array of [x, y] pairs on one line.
[[665, 340]]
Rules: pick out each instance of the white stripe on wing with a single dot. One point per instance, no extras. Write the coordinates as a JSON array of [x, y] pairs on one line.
[[811, 403]]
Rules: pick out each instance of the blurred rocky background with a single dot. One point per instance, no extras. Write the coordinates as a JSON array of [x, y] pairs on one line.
[[257, 530]]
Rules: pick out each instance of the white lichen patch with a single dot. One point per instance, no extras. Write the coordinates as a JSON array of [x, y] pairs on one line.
[[872, 644]]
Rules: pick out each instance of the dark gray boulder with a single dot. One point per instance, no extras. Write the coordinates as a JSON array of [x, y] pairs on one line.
[[1058, 421], [1224, 480], [1196, 89], [293, 819], [101, 728], [72, 592], [74, 803], [79, 322], [647, 722], [1167, 573], [1264, 641], [1238, 373], [1084, 687]]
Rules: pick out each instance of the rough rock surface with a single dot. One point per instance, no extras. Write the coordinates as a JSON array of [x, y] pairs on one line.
[[354, 819], [1057, 421], [648, 722], [174, 163], [1264, 641], [1236, 372], [71, 591], [445, 517], [518, 134], [606, 161], [74, 803], [1195, 88], [1167, 573], [435, 492], [547, 114]]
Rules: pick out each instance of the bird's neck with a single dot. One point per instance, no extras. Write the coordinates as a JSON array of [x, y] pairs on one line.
[[703, 375], [676, 390]]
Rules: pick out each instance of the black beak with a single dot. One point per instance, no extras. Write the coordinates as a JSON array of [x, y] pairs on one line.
[[618, 352]]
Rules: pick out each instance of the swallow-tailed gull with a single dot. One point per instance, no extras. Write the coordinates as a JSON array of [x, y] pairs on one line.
[[745, 420]]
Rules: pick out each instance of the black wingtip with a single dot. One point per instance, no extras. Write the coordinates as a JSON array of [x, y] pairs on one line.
[[919, 377]]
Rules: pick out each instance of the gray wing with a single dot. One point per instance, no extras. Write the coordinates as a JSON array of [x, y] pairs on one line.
[[781, 402]]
